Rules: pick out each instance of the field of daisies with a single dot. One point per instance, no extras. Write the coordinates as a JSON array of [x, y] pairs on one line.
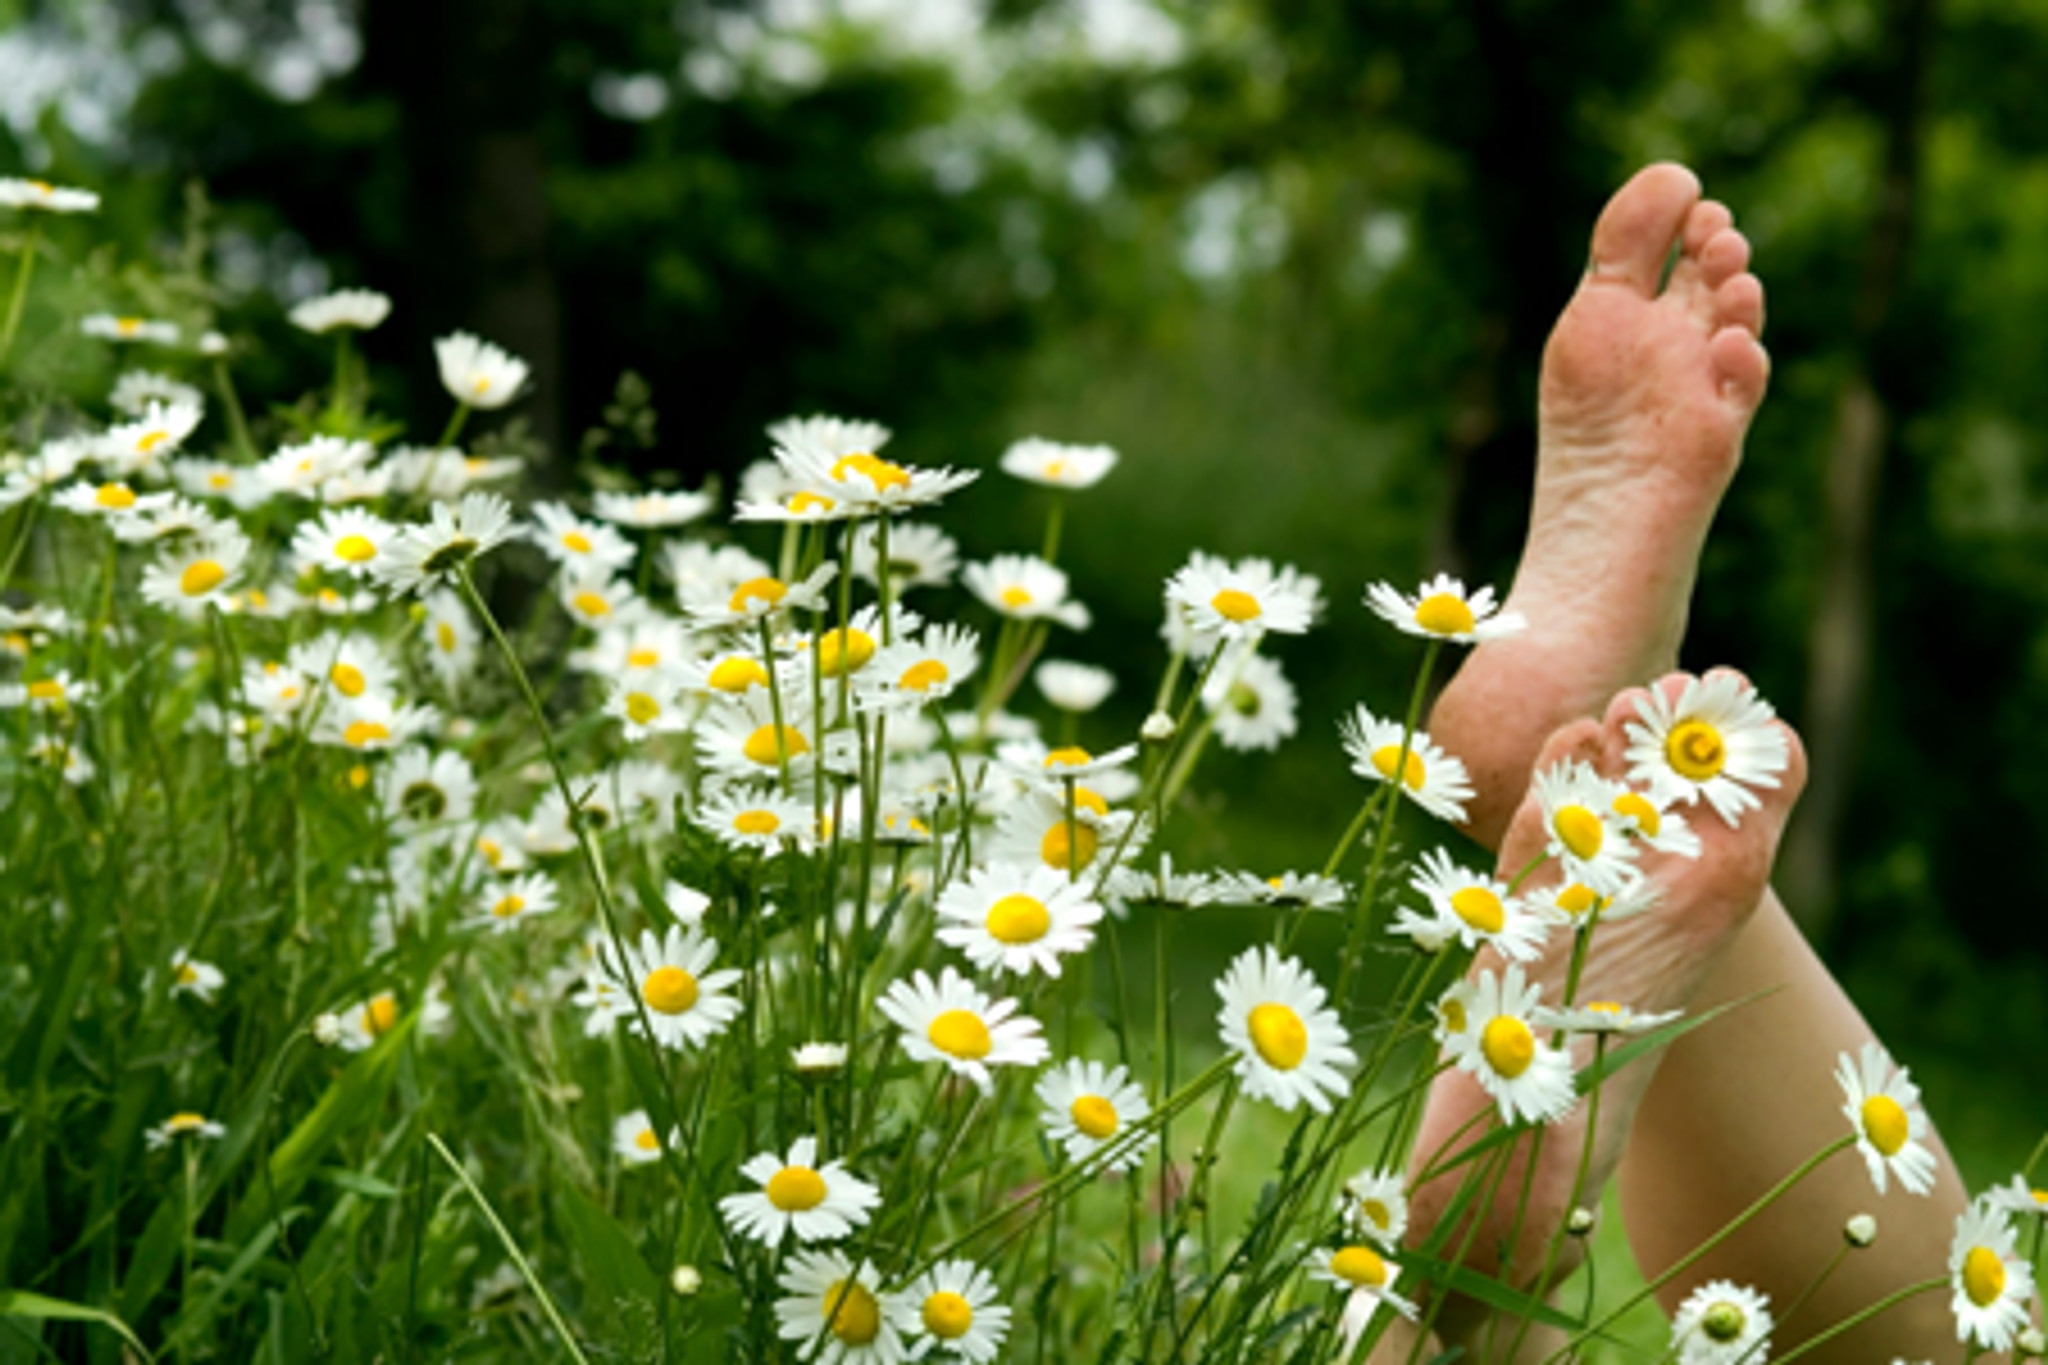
[[659, 925]]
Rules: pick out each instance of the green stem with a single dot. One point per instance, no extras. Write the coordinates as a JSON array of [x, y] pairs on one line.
[[454, 427], [1850, 1323], [238, 421], [19, 297]]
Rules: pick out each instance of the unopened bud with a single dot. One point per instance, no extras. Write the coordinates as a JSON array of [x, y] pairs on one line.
[[1860, 1231], [2031, 1343], [1580, 1223], [1157, 729], [685, 1280]]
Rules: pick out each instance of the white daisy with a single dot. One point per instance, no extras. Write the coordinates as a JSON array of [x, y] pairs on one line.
[[687, 1004], [183, 1125], [843, 1312], [504, 906], [428, 794], [185, 578], [1289, 1048], [1089, 1106], [42, 195], [818, 1059], [1659, 827], [952, 1021], [2019, 1198], [190, 976], [476, 373], [1586, 834], [1376, 1203], [1472, 908], [112, 499], [57, 692], [1721, 1323], [109, 327], [1163, 886], [1367, 1280], [634, 1139], [1718, 740], [344, 541], [451, 635], [420, 556], [1056, 465], [911, 673], [1569, 901], [836, 435], [743, 739], [1431, 778], [863, 479], [1310, 891], [1443, 610], [714, 603], [354, 309], [1040, 826], [146, 442], [956, 1305], [1993, 1283], [302, 469], [161, 520], [818, 1201], [353, 665], [368, 724], [136, 391], [1451, 1020], [1075, 687], [235, 484], [1025, 588], [745, 815], [577, 545], [1244, 600], [653, 510], [1017, 918], [1252, 704], [920, 556], [1602, 1017], [1884, 1107], [1530, 1080], [647, 703]]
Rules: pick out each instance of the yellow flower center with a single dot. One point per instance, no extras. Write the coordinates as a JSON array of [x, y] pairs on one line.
[[444, 636], [201, 577], [492, 851], [641, 708], [796, 1189], [804, 502], [1576, 899], [379, 1015], [844, 651], [591, 603], [1095, 1117], [41, 186], [1377, 1213], [348, 679], [1444, 614], [1018, 919], [1636, 805], [1508, 1045], [1073, 756], [1885, 1124], [46, 689], [880, 472], [1360, 1267], [770, 744], [920, 676], [960, 1033], [364, 732], [115, 495], [355, 549], [480, 385], [127, 327], [577, 541], [1983, 1276], [186, 974], [1278, 1035], [220, 479], [1015, 598], [1234, 605], [642, 658], [756, 822], [766, 591], [947, 1315], [855, 1316], [1479, 908], [1694, 750], [1580, 831], [669, 990], [737, 675], [646, 1140], [509, 907], [150, 441], [1058, 851], [1452, 1012], [1387, 756], [358, 777], [187, 1122]]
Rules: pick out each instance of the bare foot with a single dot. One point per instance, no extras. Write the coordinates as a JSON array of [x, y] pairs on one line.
[[1655, 961], [1648, 386]]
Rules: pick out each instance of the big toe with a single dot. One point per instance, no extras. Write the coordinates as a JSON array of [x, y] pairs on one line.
[[1633, 238]]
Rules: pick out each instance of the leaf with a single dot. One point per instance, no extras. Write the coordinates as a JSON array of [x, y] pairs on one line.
[[621, 1295], [19, 1303]]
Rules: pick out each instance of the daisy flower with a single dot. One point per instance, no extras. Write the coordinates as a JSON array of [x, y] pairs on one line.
[[57, 692], [1472, 908], [836, 435], [1078, 688], [1451, 1016], [920, 556], [1025, 588], [651, 511], [1993, 1283], [910, 673], [183, 1125], [45, 197], [687, 1004], [504, 907], [819, 1202], [1253, 707], [1289, 1048], [113, 499], [1040, 827], [420, 556], [733, 673], [1367, 1281], [2019, 1198], [634, 1140], [161, 520], [818, 1059], [1884, 1107], [1602, 1017], [428, 793], [357, 1027], [343, 541], [187, 577], [1163, 886], [1443, 610], [68, 759], [742, 738], [109, 327], [1052, 769], [1721, 1323], [352, 309], [843, 1312], [476, 373], [1311, 891], [744, 815], [370, 723], [952, 1021], [190, 976], [710, 604], [1017, 917], [1088, 1105], [1431, 778], [646, 702], [1057, 466], [1530, 1080], [956, 1305], [846, 651], [1240, 601], [145, 442], [354, 665], [136, 391], [301, 469], [1569, 902], [1658, 827], [864, 480], [577, 545], [1586, 835], [451, 635], [1718, 740], [1376, 1203]]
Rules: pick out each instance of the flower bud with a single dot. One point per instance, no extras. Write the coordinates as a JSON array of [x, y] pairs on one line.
[[1860, 1231], [2030, 1343], [1157, 729], [685, 1280], [1580, 1223]]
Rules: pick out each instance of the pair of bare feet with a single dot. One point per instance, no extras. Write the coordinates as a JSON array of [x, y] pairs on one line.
[[1649, 383]]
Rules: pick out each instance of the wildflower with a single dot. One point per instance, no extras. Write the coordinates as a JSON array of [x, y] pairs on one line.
[[108, 327], [835, 435], [55, 692], [1253, 705], [1242, 601], [1376, 1203], [956, 1305], [1721, 1323], [1025, 588], [577, 545], [1306, 892], [920, 556], [1658, 826], [1431, 778], [352, 309], [1056, 465], [818, 1202], [2019, 1198], [1473, 909], [67, 758], [743, 739], [1993, 1283], [164, 518], [476, 373], [190, 976], [1366, 1279], [1088, 1106], [451, 635], [187, 577], [710, 604], [1602, 1016], [1717, 741], [353, 665], [137, 391], [646, 703], [746, 816], [1040, 826], [1289, 1048], [112, 500], [183, 1125], [687, 1005], [1529, 1079], [912, 673], [1571, 901], [1860, 1231], [953, 1022], [634, 1139], [1052, 769], [1163, 886], [345, 541], [686, 1280], [1017, 917], [504, 907], [818, 1059], [420, 556], [1884, 1107], [1443, 610], [842, 1310], [45, 197], [357, 1027], [303, 469], [860, 479], [1075, 687], [1585, 833], [147, 441], [368, 724], [651, 511]]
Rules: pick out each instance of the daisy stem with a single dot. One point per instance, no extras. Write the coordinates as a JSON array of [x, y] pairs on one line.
[[775, 706], [1685, 1262], [961, 795], [20, 294], [1351, 832], [1848, 1324], [1543, 1278], [23, 529], [1528, 871], [1834, 1264], [454, 427], [1494, 1170], [191, 1228], [540, 1292], [238, 421], [1152, 779], [1582, 947], [882, 577], [1055, 515]]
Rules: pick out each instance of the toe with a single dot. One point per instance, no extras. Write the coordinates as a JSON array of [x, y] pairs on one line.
[[1637, 229], [1739, 302], [1708, 218], [1742, 364], [1725, 255]]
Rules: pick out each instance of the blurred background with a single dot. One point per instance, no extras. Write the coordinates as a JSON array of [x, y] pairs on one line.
[[1295, 259]]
